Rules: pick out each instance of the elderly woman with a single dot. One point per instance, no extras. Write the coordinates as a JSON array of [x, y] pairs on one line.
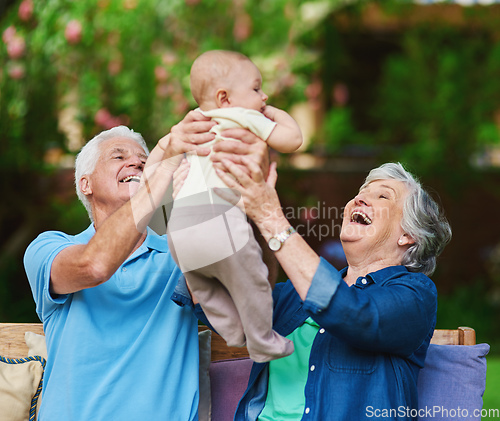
[[361, 334]]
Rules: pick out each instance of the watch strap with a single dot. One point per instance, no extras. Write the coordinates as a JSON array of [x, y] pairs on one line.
[[283, 235]]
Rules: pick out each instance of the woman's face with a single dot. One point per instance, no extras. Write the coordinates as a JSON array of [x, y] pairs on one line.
[[372, 219]]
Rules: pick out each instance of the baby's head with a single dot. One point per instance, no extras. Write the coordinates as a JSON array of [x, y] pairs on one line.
[[226, 79]]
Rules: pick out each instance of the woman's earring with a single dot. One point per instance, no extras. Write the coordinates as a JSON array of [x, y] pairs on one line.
[[400, 241]]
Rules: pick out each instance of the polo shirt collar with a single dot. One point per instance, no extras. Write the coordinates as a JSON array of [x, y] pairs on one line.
[[156, 242]]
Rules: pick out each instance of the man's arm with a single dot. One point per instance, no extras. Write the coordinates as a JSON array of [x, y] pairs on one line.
[[84, 266], [286, 136]]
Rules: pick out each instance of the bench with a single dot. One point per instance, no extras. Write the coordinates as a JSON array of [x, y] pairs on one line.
[[453, 378]]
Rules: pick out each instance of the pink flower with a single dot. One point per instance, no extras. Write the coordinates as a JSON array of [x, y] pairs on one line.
[[112, 122], [114, 67], [181, 104], [163, 90], [16, 47], [17, 71], [8, 34], [161, 74], [181, 107], [242, 27], [73, 31], [102, 116], [169, 58], [25, 11], [313, 90], [107, 120], [341, 93], [192, 2]]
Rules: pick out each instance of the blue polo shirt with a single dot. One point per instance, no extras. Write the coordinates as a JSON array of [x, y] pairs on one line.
[[122, 350]]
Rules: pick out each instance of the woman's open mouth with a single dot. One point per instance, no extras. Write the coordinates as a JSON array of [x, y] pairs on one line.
[[359, 217]]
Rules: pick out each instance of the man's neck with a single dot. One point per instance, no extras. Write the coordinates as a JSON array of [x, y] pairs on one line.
[[100, 218]]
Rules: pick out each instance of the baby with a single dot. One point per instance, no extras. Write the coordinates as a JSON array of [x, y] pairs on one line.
[[210, 238]]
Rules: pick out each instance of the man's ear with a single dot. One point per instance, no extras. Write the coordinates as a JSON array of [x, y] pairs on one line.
[[222, 98], [84, 185]]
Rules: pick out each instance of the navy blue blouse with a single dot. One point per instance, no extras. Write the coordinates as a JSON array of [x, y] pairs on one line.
[[367, 354]]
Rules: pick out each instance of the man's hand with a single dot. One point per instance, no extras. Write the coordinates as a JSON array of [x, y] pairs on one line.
[[188, 135]]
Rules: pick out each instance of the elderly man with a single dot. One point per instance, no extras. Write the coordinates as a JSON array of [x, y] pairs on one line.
[[118, 346]]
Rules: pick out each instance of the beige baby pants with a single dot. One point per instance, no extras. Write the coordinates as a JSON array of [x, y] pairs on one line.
[[216, 250]]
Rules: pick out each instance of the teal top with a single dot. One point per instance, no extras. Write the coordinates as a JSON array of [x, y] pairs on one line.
[[288, 376]]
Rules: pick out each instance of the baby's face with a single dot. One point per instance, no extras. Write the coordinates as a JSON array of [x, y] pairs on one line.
[[246, 87]]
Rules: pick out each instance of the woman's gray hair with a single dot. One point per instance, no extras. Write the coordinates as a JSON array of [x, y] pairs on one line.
[[422, 220], [86, 160]]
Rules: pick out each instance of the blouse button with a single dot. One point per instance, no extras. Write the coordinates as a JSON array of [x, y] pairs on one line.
[[364, 281], [313, 367], [124, 269], [322, 330], [307, 410]]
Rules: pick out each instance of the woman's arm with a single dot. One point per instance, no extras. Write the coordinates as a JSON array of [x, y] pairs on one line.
[[262, 205], [395, 318]]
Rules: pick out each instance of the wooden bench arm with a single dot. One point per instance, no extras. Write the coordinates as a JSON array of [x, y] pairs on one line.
[[12, 342]]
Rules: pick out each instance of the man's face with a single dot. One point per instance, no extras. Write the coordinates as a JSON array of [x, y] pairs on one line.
[[116, 176]]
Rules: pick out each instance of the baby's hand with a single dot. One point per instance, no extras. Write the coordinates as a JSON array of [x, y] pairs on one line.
[[270, 112]]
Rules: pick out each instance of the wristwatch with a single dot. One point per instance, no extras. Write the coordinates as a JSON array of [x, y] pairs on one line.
[[277, 241]]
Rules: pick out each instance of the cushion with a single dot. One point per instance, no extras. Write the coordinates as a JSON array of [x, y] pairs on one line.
[[20, 386], [37, 346], [229, 379], [452, 383]]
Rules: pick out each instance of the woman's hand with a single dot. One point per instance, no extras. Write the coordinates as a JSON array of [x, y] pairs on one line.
[[262, 205], [250, 146], [259, 198]]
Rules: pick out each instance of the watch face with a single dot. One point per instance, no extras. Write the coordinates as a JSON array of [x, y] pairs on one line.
[[274, 244]]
